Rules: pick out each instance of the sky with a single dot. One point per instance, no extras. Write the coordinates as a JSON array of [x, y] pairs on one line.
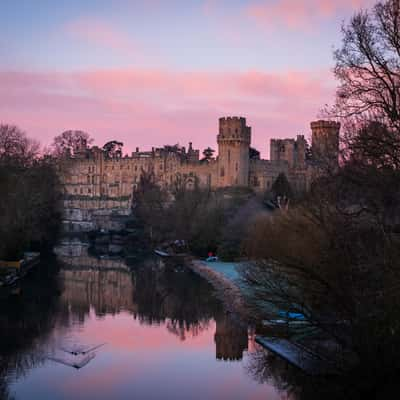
[[157, 72]]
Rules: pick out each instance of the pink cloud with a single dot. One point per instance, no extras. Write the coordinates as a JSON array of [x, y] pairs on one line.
[[300, 14], [101, 33], [148, 108]]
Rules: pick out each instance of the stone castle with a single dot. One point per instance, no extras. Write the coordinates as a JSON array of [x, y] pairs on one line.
[[92, 173]]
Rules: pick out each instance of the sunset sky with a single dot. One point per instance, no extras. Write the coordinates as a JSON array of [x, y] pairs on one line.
[[154, 72]]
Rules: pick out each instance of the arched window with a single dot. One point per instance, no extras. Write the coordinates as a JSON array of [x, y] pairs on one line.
[[222, 172]]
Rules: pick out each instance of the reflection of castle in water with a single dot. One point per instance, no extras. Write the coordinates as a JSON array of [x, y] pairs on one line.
[[230, 338], [106, 291], [182, 302]]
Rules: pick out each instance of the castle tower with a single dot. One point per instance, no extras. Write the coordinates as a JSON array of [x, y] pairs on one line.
[[325, 142], [233, 152]]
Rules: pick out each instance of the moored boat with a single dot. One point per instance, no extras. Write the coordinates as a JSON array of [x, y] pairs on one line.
[[12, 271]]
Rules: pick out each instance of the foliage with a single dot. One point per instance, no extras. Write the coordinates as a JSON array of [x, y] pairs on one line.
[[199, 217], [149, 202], [208, 154], [113, 149], [335, 257], [29, 210], [281, 187], [254, 153]]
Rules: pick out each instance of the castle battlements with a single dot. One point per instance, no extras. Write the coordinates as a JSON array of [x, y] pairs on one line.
[[92, 173]]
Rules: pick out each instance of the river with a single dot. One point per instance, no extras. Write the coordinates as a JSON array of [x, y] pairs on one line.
[[150, 333]]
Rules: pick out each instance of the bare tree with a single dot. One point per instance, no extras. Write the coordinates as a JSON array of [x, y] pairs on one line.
[[368, 65], [16, 147], [69, 142]]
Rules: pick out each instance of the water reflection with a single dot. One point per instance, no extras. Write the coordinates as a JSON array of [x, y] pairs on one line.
[[165, 333], [26, 321], [231, 338]]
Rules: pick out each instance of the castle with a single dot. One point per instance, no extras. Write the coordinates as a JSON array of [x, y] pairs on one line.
[[92, 173]]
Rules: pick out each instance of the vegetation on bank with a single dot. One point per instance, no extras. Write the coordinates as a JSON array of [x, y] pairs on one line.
[[208, 221], [30, 195], [334, 257]]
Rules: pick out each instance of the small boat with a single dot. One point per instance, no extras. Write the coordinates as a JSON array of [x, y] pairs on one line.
[[12, 271], [162, 253], [212, 259], [21, 266], [10, 280]]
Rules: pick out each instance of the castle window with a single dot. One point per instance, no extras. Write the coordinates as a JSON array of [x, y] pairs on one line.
[[89, 191], [135, 167], [229, 156], [81, 191], [120, 167], [75, 190], [88, 180], [161, 167], [93, 180], [222, 172], [236, 131], [236, 166]]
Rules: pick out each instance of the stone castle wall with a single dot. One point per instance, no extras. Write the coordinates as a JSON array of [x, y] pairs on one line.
[[94, 182]]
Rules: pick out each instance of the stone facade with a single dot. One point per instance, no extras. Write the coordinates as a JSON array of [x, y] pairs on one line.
[[92, 176]]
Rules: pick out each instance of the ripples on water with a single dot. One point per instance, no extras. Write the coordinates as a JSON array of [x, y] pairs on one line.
[[161, 333]]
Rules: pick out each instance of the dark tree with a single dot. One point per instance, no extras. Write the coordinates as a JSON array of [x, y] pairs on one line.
[[113, 149], [208, 154], [281, 187], [254, 153], [29, 207]]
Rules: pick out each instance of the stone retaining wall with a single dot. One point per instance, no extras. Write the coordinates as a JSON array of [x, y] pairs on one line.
[[84, 215]]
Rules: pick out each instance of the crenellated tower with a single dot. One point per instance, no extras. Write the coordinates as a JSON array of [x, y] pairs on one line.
[[325, 142], [233, 151]]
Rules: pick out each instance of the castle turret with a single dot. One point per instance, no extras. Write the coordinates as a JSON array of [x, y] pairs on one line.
[[233, 151], [325, 142]]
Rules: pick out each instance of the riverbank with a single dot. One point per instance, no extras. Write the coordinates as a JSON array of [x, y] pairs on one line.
[[310, 356], [224, 284]]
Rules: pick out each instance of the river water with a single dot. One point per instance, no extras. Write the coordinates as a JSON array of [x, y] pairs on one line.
[[150, 333]]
